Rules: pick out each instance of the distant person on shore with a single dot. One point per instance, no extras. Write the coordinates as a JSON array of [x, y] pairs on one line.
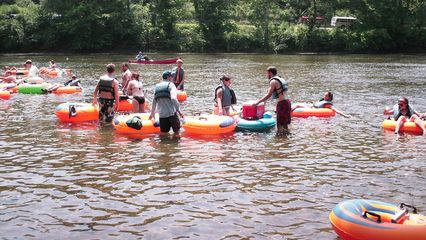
[[403, 112], [32, 70], [141, 57], [325, 102], [72, 82], [278, 88], [179, 75], [166, 104], [224, 97], [126, 77], [135, 89], [107, 89]]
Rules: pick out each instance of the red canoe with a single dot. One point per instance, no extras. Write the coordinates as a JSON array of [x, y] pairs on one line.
[[164, 61]]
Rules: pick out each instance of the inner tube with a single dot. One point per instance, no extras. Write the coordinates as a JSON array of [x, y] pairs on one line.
[[209, 124], [137, 123], [125, 104], [362, 219], [77, 112], [50, 72], [409, 127], [68, 90], [181, 96], [265, 123], [312, 112], [34, 80], [33, 88], [10, 87], [4, 94]]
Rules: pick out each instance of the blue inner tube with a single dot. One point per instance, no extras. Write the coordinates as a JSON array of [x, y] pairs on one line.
[[262, 124]]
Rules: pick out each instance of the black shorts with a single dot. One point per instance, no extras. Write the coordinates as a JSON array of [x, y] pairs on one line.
[[141, 100], [170, 122]]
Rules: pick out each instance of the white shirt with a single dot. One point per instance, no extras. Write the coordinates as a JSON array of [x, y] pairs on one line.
[[33, 72]]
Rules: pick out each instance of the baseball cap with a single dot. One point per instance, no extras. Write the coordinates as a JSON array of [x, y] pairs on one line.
[[166, 74]]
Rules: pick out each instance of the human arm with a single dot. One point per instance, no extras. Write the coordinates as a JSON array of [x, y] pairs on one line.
[[219, 96], [340, 112], [116, 95], [128, 89], [271, 89], [420, 115], [153, 108], [95, 95], [388, 111], [173, 97]]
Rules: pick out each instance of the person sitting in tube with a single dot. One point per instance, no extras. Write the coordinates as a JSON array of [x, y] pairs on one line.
[[224, 97], [73, 82], [403, 112], [325, 102]]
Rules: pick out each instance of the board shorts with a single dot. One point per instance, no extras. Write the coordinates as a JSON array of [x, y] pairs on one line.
[[106, 111], [283, 112]]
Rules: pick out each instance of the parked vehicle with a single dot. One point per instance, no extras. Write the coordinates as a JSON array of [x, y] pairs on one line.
[[343, 21]]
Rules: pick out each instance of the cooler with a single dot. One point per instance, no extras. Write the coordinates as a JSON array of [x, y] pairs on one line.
[[250, 111]]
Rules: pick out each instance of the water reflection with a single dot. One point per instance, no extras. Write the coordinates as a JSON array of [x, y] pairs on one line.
[[87, 181]]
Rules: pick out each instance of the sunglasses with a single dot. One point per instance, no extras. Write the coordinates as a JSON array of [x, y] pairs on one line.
[[227, 79]]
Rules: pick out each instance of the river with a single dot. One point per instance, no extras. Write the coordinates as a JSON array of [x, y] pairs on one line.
[[68, 181]]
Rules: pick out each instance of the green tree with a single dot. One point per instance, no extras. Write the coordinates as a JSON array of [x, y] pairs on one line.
[[87, 25], [213, 18], [17, 25]]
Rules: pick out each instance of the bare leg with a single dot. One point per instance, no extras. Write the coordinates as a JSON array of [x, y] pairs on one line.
[[135, 104], [418, 122], [142, 108], [401, 120], [282, 130]]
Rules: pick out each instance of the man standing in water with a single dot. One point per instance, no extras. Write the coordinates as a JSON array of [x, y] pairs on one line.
[[166, 104], [179, 75], [127, 76], [107, 88], [278, 90]]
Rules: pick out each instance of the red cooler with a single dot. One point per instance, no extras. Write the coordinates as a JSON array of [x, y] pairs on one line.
[[250, 111]]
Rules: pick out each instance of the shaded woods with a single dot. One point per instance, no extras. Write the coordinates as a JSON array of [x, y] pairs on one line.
[[210, 26]]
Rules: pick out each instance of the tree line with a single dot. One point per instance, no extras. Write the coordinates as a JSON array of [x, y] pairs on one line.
[[211, 25]]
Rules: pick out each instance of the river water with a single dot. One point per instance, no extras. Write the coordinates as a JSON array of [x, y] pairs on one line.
[[68, 181]]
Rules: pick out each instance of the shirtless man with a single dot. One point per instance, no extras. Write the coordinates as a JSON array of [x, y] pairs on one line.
[[278, 90], [126, 77]]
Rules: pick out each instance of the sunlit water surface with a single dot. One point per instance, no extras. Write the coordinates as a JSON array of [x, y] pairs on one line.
[[86, 181]]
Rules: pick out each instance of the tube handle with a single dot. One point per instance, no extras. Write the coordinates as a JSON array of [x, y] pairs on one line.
[[402, 205], [379, 218]]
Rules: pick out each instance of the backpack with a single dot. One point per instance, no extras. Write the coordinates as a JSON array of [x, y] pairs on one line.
[[135, 123]]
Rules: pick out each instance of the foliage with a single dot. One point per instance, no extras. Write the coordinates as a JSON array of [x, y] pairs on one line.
[[211, 25]]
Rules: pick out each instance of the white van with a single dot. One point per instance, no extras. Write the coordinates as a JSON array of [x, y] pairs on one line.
[[343, 21]]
